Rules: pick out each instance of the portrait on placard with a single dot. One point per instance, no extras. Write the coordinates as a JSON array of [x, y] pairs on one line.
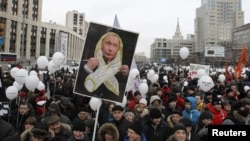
[[105, 62]]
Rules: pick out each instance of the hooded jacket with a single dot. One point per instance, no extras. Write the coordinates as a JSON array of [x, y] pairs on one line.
[[192, 113]]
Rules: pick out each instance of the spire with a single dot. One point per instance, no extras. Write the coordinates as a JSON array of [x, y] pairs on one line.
[[116, 22], [177, 35]]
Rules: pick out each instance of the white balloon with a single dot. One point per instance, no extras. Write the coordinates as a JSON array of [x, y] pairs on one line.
[[246, 88], [20, 76], [222, 77], [155, 78], [151, 74], [133, 73], [58, 58], [165, 78], [185, 83], [11, 92], [95, 103], [144, 81], [40, 86], [33, 72], [31, 82], [13, 71], [130, 84], [184, 52], [52, 67], [143, 88], [42, 62], [17, 85], [206, 83], [200, 73]]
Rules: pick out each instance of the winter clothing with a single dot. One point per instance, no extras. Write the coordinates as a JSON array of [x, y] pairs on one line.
[[108, 128], [191, 113]]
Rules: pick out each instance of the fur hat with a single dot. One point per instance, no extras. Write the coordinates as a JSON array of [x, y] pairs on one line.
[[110, 129], [136, 127], [40, 130], [155, 113], [78, 125]]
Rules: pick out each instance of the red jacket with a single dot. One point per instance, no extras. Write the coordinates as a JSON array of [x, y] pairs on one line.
[[218, 116]]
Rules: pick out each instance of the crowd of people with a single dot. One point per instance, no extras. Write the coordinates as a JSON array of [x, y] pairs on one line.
[[169, 111]]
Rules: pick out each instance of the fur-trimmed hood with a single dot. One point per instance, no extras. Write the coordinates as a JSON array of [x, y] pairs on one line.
[[26, 134], [110, 128]]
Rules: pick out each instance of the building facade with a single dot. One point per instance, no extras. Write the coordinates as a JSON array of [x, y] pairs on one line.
[[215, 21], [27, 36], [76, 21], [166, 51]]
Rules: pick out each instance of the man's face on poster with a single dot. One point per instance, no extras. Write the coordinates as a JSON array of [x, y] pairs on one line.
[[110, 47]]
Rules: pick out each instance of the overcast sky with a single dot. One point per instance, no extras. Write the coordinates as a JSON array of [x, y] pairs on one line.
[[150, 18]]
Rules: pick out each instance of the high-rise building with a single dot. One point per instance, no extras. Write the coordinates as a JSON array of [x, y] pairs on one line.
[[215, 20], [27, 36], [76, 21], [167, 50]]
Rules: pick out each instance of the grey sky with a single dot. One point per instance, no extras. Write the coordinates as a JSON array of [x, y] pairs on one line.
[[150, 18]]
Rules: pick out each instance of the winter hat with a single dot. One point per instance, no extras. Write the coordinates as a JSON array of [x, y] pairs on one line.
[[40, 130], [179, 126], [186, 122], [243, 111], [137, 127], [84, 109], [65, 101], [78, 125], [53, 119], [216, 101], [155, 113], [206, 115], [153, 98], [176, 112], [90, 123], [129, 113], [143, 101], [118, 108]]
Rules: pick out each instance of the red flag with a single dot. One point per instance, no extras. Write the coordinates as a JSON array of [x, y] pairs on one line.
[[241, 63]]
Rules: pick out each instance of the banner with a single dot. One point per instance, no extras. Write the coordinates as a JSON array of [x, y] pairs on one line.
[[193, 68], [62, 45]]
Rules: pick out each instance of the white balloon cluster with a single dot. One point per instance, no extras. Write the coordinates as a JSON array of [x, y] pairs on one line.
[[53, 65], [23, 77]]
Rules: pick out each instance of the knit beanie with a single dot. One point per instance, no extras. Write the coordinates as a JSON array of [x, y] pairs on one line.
[[78, 125], [206, 115], [155, 113], [137, 127], [179, 126]]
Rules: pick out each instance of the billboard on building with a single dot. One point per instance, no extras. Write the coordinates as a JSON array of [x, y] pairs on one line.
[[217, 51]]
